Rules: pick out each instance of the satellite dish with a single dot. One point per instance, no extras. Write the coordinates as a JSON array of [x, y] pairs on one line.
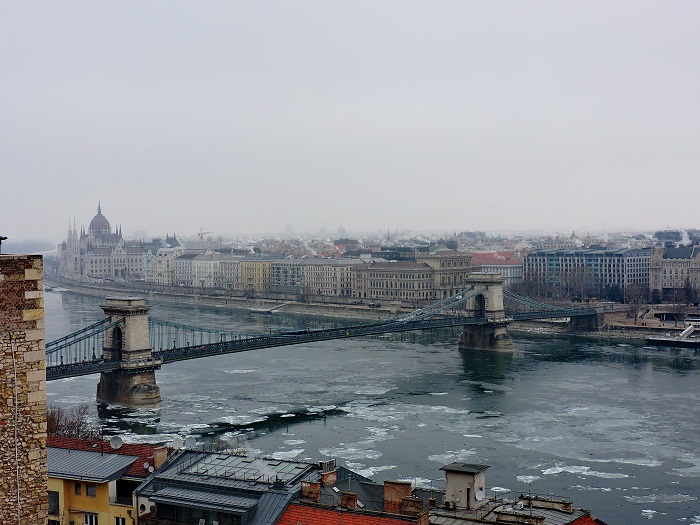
[[479, 495], [190, 442], [150, 469], [146, 465], [177, 442], [115, 442]]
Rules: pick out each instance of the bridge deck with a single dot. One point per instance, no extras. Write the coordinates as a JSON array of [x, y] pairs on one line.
[[417, 322]]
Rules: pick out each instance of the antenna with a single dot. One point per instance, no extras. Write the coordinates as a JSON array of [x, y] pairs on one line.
[[116, 442]]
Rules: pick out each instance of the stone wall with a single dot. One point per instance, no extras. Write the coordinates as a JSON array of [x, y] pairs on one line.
[[23, 468]]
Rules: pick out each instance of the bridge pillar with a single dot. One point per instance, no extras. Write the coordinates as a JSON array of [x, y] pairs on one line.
[[493, 333], [587, 323], [134, 383]]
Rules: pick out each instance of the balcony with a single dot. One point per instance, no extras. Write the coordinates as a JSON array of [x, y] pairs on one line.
[[126, 501]]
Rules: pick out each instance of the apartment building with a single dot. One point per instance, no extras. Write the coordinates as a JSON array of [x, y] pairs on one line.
[[673, 270], [256, 273], [394, 281], [450, 271], [506, 264], [286, 275], [589, 268], [92, 482], [328, 277]]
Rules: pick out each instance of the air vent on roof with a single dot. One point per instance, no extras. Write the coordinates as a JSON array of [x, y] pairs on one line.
[[327, 466]]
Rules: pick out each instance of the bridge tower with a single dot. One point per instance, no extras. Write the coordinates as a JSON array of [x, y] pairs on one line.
[[493, 335], [134, 383]]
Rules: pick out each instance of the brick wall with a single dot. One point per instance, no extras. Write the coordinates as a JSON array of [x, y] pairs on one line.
[[23, 469], [394, 492]]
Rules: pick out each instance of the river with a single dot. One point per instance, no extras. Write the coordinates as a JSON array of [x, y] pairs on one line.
[[614, 427]]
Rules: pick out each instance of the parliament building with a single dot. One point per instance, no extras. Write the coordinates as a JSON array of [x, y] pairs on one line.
[[99, 253]]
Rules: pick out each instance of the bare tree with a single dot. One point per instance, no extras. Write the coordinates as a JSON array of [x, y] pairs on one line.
[[73, 423], [635, 297], [690, 294]]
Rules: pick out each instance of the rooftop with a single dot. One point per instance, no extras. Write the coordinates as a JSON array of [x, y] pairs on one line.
[[145, 453], [467, 468], [89, 466]]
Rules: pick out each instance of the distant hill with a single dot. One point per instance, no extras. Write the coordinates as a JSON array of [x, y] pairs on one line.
[[30, 246]]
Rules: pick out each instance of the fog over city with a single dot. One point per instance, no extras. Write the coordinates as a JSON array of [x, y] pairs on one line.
[[434, 116]]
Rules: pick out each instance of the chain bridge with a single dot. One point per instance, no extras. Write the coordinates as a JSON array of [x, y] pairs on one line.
[[128, 345]]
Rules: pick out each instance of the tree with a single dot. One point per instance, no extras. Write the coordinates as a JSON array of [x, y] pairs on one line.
[[689, 292], [635, 296], [73, 423]]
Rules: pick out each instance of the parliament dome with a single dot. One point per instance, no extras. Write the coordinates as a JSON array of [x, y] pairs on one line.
[[99, 225]]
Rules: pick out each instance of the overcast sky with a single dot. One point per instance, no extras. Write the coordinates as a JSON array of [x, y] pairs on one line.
[[246, 116]]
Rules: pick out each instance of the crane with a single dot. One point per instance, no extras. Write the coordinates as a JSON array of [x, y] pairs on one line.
[[201, 234]]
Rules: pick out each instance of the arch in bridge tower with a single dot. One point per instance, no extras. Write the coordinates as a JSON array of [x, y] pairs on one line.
[[488, 304], [479, 306], [117, 342], [134, 383]]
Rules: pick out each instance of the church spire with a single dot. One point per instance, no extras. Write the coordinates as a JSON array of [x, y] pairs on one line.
[[99, 207]]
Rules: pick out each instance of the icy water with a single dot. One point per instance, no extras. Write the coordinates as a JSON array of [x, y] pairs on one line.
[[616, 428]]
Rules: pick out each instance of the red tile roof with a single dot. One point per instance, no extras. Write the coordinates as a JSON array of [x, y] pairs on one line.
[[309, 515], [587, 520], [146, 453], [312, 515]]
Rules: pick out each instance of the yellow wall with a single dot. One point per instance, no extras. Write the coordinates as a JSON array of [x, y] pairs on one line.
[[72, 506], [255, 275]]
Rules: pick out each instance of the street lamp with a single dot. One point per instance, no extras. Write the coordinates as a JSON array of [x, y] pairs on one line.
[[2, 238]]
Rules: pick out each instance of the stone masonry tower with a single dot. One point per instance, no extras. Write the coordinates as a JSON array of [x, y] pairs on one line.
[[134, 383], [23, 468], [489, 305]]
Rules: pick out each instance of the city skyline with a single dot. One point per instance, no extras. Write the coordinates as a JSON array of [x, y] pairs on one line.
[[374, 117], [288, 232]]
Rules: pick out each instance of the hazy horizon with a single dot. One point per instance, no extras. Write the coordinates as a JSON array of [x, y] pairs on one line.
[[449, 116]]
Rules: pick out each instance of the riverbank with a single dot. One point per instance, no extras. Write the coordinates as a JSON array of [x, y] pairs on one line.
[[617, 328], [263, 306]]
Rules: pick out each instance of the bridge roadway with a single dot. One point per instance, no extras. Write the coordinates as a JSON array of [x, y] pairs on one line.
[[173, 355]]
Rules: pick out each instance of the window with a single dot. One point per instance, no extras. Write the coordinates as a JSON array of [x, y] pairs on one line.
[[53, 503], [89, 519], [119, 521], [90, 490], [77, 489]]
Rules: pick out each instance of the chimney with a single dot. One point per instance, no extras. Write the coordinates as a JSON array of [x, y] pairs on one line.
[[423, 518], [394, 492], [411, 506], [348, 500], [311, 490], [159, 456], [329, 473], [328, 479]]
